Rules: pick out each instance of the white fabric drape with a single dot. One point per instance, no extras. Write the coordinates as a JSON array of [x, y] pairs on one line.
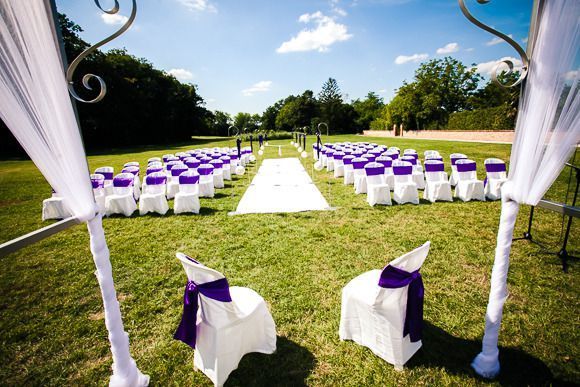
[[35, 105], [547, 132]]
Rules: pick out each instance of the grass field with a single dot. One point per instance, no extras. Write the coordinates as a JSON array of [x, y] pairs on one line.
[[52, 330]]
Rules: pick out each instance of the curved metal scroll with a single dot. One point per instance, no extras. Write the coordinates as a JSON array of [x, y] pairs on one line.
[[87, 77], [320, 124], [237, 133], [507, 39]]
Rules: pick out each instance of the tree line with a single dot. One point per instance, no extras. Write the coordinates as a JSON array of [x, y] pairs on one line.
[[147, 106]]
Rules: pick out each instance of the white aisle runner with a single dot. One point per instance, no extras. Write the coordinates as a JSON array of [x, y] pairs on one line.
[[281, 185]]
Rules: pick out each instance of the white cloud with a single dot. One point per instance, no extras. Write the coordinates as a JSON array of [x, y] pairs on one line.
[[448, 49], [326, 33], [496, 40], [402, 59], [470, 49], [336, 9], [486, 68], [571, 75], [181, 74], [198, 5], [259, 87], [114, 19]]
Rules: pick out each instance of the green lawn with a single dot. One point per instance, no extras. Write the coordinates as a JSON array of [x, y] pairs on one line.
[[52, 330]]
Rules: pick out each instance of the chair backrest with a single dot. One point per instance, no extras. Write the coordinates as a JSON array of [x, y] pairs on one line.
[[156, 182], [155, 164], [132, 164], [433, 156], [429, 153], [466, 169], [153, 169], [97, 181], [358, 163], [192, 162], [177, 170], [132, 170], [338, 157], [189, 182], [170, 164], [413, 260], [153, 159], [495, 168], [456, 156], [374, 169], [167, 157], [386, 161], [403, 171], [212, 311], [434, 170], [226, 160], [217, 165], [205, 172], [347, 160], [108, 172], [409, 150], [123, 183], [370, 157], [410, 159]]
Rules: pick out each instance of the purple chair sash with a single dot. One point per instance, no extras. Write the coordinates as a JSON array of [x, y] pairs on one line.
[[434, 167], [97, 181], [205, 169], [178, 170], [402, 170], [226, 159], [374, 169], [338, 155], [454, 159], [394, 278], [409, 159], [123, 180], [189, 177], [192, 163], [205, 160], [359, 162], [215, 156], [495, 167], [108, 175], [156, 178], [370, 157], [347, 160], [466, 167], [153, 170], [218, 290], [385, 160], [132, 170], [413, 155], [218, 164]]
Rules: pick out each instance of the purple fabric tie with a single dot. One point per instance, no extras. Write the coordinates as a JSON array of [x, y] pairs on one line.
[[218, 290], [97, 183], [359, 162], [153, 170], [402, 170], [385, 160], [409, 159], [394, 278], [434, 167], [178, 170], [466, 167], [454, 159], [108, 175], [205, 169], [495, 167], [123, 180], [156, 178], [189, 178], [370, 157], [375, 171]]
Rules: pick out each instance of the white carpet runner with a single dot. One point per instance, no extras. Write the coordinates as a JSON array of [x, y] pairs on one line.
[[281, 185]]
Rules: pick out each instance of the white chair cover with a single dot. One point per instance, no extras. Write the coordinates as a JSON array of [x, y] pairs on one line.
[[468, 187], [55, 208], [360, 177], [437, 186], [187, 199], [378, 191], [226, 331], [374, 317], [405, 188], [122, 200], [153, 197], [454, 157], [108, 172], [495, 177]]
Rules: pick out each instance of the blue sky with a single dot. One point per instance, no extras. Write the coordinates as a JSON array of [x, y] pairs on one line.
[[246, 55]]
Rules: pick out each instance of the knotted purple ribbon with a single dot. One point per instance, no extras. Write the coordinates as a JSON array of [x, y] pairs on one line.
[[218, 290], [393, 278]]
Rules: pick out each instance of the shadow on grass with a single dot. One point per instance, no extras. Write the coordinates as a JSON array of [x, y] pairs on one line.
[[290, 365], [454, 354]]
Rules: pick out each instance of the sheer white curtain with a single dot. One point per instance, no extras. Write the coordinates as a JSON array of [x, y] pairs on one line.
[[35, 105], [547, 131]]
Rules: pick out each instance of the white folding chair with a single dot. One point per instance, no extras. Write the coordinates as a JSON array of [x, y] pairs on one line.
[[405, 188], [383, 310], [206, 182], [98, 183], [232, 322], [437, 186], [173, 186], [468, 187], [454, 157], [496, 175], [378, 191], [55, 208], [108, 172], [360, 177], [187, 199], [122, 201], [153, 197]]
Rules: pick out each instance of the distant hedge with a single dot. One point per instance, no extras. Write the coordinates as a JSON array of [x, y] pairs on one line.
[[495, 118]]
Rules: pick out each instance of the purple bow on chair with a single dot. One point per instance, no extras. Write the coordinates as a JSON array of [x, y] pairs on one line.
[[218, 290], [393, 278]]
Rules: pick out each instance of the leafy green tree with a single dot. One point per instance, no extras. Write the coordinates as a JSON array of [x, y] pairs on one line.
[[297, 112], [220, 122], [367, 110], [492, 94], [339, 116]]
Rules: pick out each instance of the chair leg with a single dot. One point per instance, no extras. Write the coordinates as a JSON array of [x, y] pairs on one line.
[[399, 368]]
